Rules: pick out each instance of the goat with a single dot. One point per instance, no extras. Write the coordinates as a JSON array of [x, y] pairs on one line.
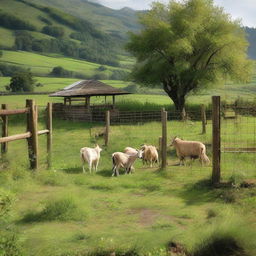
[[192, 149], [150, 154], [125, 161], [91, 156]]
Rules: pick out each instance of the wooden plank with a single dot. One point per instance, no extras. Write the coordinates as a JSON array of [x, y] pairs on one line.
[[239, 150], [43, 132], [4, 146], [49, 135], [15, 137], [216, 141], [7, 112]]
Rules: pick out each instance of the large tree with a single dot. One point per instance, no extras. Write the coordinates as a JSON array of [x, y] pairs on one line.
[[22, 82], [185, 46]]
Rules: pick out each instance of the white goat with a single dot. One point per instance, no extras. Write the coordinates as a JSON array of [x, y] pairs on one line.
[[150, 154], [91, 156], [125, 161], [192, 149], [131, 151]]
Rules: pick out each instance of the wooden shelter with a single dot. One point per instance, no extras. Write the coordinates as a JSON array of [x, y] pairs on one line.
[[85, 89]]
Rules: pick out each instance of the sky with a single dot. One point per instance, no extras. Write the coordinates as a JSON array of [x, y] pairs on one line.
[[242, 9]]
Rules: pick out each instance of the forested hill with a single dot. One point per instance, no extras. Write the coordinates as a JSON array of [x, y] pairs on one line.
[[74, 28], [251, 37], [41, 27], [111, 21]]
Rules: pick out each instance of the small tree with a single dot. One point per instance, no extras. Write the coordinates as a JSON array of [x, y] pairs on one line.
[[185, 46], [22, 82]]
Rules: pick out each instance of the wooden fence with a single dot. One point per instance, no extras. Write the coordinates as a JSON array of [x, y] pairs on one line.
[[32, 133]]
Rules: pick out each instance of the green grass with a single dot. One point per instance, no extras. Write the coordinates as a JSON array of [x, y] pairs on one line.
[[129, 211], [7, 37], [42, 65]]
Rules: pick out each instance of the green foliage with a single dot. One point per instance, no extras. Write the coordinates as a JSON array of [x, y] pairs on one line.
[[1, 53], [187, 45], [6, 201], [55, 31], [45, 20], [61, 72], [9, 244], [63, 209], [13, 22], [10, 70], [22, 82]]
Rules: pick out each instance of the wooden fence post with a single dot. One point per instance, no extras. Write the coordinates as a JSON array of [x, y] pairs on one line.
[[49, 134], [4, 146], [203, 117], [33, 140], [164, 138], [216, 140], [107, 128]]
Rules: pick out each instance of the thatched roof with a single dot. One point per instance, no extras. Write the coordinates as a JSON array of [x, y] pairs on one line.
[[88, 88]]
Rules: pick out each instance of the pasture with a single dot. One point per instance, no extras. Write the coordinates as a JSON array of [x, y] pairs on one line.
[[42, 65], [65, 212]]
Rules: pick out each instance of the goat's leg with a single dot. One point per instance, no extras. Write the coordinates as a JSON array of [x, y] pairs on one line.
[[113, 171], [83, 168], [96, 167], [90, 167]]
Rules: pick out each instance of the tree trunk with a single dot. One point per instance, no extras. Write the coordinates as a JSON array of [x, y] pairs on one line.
[[178, 100]]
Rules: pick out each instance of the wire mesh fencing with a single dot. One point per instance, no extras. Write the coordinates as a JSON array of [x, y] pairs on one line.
[[238, 143]]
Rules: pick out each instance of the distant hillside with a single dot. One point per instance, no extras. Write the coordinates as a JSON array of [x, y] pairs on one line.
[[34, 27], [251, 36], [115, 22]]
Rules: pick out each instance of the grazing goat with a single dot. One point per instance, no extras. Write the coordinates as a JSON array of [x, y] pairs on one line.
[[149, 154], [130, 151], [125, 161], [192, 149], [91, 156]]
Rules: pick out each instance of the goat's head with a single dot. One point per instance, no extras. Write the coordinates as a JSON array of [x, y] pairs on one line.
[[139, 153], [173, 140], [98, 148]]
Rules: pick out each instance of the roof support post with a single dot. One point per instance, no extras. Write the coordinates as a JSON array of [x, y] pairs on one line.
[[114, 101]]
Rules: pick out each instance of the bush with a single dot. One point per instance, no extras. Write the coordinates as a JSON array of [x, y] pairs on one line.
[[55, 31], [61, 72], [6, 200], [22, 82], [63, 209], [119, 75], [9, 245], [10, 70], [43, 19], [12, 22]]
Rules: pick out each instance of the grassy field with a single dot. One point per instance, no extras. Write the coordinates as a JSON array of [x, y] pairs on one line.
[[41, 65], [64, 212]]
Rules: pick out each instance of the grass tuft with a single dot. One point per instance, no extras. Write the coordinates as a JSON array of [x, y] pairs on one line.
[[64, 209]]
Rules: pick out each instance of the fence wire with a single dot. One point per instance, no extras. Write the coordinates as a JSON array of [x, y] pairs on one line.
[[238, 143]]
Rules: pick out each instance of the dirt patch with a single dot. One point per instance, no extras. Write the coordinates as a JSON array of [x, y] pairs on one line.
[[148, 217]]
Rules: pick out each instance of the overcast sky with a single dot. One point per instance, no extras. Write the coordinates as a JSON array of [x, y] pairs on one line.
[[243, 9]]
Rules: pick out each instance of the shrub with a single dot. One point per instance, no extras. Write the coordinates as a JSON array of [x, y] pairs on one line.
[[9, 245], [63, 209], [6, 200], [22, 82], [55, 31], [61, 72], [45, 20], [10, 70], [12, 22]]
